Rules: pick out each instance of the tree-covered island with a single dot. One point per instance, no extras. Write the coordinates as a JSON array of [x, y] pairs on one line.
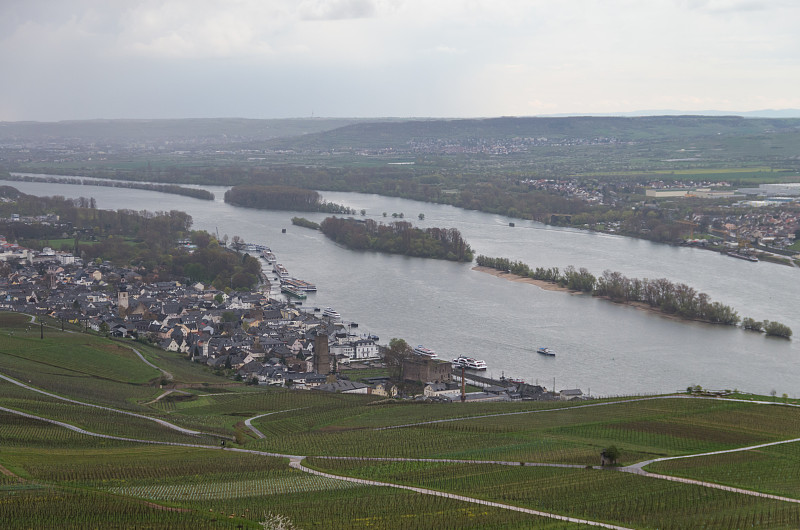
[[398, 237], [282, 198], [660, 295]]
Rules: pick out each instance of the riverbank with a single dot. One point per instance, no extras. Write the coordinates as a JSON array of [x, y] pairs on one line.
[[547, 286]]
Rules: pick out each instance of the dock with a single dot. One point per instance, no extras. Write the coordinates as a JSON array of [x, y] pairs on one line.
[[484, 381]]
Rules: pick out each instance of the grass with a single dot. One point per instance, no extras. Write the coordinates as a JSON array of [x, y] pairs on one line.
[[129, 484], [774, 469], [609, 496]]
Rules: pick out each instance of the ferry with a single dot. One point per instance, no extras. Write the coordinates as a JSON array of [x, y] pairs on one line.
[[469, 363], [426, 352], [330, 313], [291, 291], [546, 351], [281, 271], [269, 256]]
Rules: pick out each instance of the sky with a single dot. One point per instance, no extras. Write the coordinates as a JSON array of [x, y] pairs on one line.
[[105, 59]]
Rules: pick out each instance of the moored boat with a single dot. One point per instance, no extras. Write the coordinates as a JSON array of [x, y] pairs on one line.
[[469, 363], [741, 255], [292, 291], [425, 352], [330, 313], [300, 284], [281, 271]]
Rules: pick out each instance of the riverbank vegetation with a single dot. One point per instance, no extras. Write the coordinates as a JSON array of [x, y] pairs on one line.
[[282, 198], [145, 240], [174, 189], [398, 237], [661, 294]]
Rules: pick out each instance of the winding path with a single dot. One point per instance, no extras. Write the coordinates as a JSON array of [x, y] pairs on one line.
[[167, 375], [127, 413], [296, 462], [573, 407], [638, 469], [258, 433]]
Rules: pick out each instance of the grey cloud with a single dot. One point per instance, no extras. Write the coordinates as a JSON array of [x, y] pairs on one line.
[[337, 9]]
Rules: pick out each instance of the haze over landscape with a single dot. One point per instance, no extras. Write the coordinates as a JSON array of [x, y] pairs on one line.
[[88, 59], [385, 264]]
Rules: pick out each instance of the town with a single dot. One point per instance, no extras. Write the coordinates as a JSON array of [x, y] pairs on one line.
[[256, 337]]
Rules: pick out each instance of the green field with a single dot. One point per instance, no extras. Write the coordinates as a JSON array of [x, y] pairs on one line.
[[52, 476]]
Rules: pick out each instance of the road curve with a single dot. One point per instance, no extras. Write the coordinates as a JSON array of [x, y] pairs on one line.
[[68, 400], [258, 433], [297, 463]]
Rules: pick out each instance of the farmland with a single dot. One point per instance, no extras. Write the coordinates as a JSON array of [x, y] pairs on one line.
[[81, 447]]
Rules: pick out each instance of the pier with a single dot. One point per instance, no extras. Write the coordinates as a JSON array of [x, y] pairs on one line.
[[483, 381]]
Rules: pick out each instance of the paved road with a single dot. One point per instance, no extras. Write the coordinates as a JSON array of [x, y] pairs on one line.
[[68, 400], [638, 470], [295, 461], [258, 433], [573, 407]]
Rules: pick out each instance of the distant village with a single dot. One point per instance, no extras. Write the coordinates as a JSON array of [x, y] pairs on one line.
[[255, 337]]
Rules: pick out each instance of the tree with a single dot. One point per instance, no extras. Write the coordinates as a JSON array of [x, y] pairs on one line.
[[363, 212], [237, 243], [776, 329], [393, 357], [421, 217], [609, 455]]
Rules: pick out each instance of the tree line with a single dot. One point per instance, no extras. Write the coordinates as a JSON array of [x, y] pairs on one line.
[[163, 188], [660, 294], [398, 237], [282, 198]]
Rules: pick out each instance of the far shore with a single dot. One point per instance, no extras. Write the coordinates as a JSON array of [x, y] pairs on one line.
[[547, 286]]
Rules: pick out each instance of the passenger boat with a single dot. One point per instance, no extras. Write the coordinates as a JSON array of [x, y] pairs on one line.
[[546, 351], [469, 363], [330, 313], [269, 256], [281, 271], [426, 352]]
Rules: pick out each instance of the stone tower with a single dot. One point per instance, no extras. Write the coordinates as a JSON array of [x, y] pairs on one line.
[[322, 358]]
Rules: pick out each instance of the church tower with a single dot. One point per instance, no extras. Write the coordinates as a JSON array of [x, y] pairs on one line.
[[122, 296]]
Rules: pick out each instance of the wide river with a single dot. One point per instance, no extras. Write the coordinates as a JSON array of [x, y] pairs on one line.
[[602, 348]]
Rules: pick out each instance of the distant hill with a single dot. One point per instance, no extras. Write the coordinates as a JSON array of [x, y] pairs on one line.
[[765, 113], [183, 131], [399, 134]]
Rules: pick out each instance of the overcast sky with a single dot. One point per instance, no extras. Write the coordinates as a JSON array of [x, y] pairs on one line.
[[86, 59]]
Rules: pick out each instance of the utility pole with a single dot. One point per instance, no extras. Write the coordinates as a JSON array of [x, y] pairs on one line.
[[41, 329]]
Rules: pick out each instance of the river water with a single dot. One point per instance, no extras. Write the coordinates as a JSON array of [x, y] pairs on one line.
[[602, 348]]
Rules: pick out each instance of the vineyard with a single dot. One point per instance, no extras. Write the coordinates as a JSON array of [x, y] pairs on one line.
[[81, 448]]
